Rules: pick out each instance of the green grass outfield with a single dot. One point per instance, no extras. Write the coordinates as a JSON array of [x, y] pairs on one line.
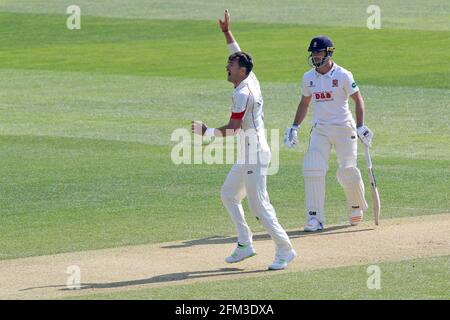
[[410, 279], [156, 48], [86, 117], [88, 165]]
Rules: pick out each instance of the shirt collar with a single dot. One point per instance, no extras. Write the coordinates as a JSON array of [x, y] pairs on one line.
[[242, 84], [330, 73]]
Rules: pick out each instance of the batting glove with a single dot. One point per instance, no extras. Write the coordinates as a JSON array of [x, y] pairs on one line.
[[290, 136], [365, 135]]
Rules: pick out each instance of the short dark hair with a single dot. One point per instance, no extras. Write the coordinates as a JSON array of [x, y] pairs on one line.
[[244, 59]]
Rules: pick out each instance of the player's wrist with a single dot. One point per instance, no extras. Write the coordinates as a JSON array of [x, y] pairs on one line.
[[295, 126]]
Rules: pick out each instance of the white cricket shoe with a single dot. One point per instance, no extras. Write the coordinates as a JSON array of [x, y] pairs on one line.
[[313, 225], [281, 261], [356, 216], [240, 253]]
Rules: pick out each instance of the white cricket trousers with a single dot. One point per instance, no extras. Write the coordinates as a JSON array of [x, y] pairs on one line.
[[250, 180], [315, 165]]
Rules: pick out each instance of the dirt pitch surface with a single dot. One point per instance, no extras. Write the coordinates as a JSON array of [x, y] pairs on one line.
[[163, 264]]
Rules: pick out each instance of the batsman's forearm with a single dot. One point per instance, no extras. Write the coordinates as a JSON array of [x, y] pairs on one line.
[[359, 110], [302, 110]]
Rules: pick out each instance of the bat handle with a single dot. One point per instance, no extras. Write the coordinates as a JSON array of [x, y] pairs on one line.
[[368, 159]]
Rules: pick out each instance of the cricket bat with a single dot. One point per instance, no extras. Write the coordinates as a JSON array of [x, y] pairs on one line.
[[373, 184]]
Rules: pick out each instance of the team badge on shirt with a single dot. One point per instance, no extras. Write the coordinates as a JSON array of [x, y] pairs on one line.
[[335, 83]]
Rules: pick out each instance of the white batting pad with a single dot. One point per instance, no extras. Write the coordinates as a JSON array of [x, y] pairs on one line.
[[314, 164], [314, 170], [315, 197], [350, 179]]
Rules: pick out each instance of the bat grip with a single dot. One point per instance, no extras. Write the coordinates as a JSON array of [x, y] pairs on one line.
[[368, 159]]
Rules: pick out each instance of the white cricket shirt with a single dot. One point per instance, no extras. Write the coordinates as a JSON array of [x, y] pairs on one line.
[[330, 94], [248, 106]]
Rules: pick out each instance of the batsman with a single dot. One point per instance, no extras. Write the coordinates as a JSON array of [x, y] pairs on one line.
[[327, 86]]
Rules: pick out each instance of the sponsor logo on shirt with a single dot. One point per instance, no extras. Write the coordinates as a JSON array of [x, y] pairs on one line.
[[323, 96], [354, 85], [335, 83]]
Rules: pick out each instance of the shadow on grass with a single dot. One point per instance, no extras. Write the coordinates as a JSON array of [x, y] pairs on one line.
[[260, 237], [164, 278]]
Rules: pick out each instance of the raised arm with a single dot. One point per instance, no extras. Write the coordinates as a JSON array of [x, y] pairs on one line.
[[234, 124], [225, 27]]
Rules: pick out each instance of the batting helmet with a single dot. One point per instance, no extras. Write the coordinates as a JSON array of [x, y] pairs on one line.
[[320, 43]]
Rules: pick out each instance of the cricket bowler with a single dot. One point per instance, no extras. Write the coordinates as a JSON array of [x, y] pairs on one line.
[[327, 86], [247, 177]]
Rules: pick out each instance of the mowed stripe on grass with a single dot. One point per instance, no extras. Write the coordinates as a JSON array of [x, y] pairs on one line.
[[164, 48], [429, 15]]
